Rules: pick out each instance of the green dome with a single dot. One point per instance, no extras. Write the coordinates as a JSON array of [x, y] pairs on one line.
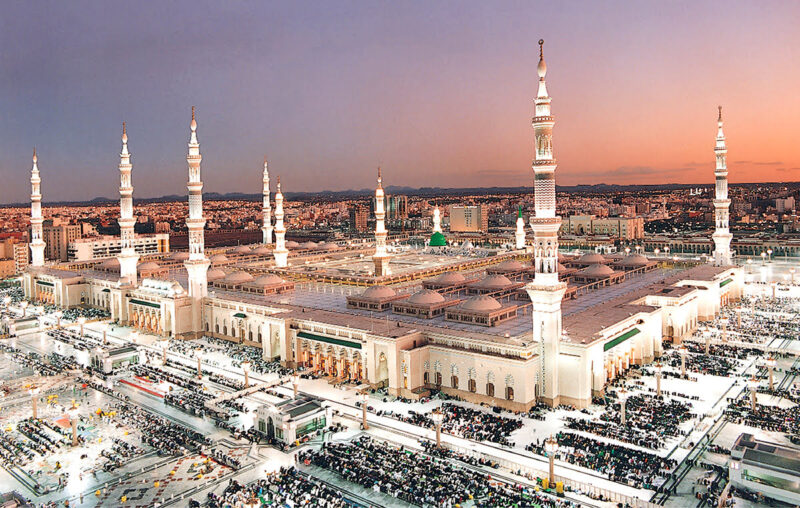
[[438, 240]]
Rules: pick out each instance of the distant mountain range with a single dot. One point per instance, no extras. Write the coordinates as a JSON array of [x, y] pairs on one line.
[[601, 188]]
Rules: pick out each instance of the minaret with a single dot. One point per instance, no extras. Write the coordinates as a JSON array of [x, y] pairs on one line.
[[197, 264], [381, 257], [281, 253], [520, 234], [437, 220], [266, 209], [128, 258], [545, 290], [722, 235], [37, 243]]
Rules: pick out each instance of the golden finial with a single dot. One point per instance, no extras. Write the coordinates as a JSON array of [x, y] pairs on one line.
[[541, 48], [719, 119], [34, 155], [192, 112]]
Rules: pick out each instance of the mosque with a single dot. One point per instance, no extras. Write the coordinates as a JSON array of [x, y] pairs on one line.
[[508, 327]]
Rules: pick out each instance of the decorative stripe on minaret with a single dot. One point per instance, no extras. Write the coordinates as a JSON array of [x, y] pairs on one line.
[[281, 254], [266, 208], [380, 215], [128, 257], [37, 237], [722, 235], [197, 264]]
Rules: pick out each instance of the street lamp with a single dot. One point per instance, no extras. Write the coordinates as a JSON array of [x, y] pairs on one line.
[[58, 315], [73, 420], [627, 250], [246, 369], [659, 368], [769, 254], [763, 258], [7, 302], [666, 250], [295, 383], [81, 322], [752, 383], [724, 322], [24, 305], [199, 368], [364, 400], [657, 251], [707, 336], [551, 447], [682, 350], [622, 393], [34, 391], [438, 418], [791, 271], [749, 264], [771, 363]]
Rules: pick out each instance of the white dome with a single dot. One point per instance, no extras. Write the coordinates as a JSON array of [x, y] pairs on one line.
[[242, 249], [426, 297], [597, 270], [268, 280], [467, 245], [291, 244], [219, 258], [238, 277], [591, 259], [177, 288], [179, 256], [450, 278], [308, 245], [494, 282], [378, 292], [148, 265], [109, 264], [215, 274], [482, 303], [261, 251]]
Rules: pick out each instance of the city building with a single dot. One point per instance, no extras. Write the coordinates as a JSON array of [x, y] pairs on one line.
[[469, 218], [620, 228], [359, 215], [57, 236], [764, 467], [91, 249]]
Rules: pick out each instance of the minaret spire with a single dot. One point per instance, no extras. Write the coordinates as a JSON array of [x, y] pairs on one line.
[[266, 208], [381, 256], [128, 258], [519, 236], [281, 253], [197, 264], [437, 219], [722, 235], [546, 291], [37, 244]]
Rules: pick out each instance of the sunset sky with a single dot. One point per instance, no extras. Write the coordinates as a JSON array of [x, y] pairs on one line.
[[437, 93]]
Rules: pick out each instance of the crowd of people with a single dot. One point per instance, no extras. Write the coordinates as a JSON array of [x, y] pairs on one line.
[[210, 347], [420, 479], [167, 437], [464, 422], [286, 487], [637, 468], [772, 418]]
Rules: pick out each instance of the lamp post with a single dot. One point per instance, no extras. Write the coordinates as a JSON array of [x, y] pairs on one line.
[[707, 336], [24, 305], [666, 251], [551, 447], [769, 255], [81, 322], [622, 393], [105, 334], [199, 368], [791, 272], [295, 383], [58, 315], [682, 350], [627, 250], [774, 286], [438, 418], [657, 251], [34, 391], [724, 322], [763, 258], [771, 363], [364, 400], [246, 369], [749, 264], [7, 302], [659, 368], [73, 420], [752, 383]]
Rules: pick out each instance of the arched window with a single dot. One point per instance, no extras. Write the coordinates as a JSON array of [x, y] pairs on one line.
[[454, 381], [216, 328], [509, 393], [250, 335], [425, 378], [206, 325], [225, 330], [472, 385], [438, 378], [490, 389]]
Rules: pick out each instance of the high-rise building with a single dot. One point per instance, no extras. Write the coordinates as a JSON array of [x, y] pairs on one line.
[[469, 219], [57, 235], [359, 216]]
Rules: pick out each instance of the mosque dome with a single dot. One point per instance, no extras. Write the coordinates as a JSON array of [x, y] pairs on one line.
[[308, 245], [438, 240], [467, 245], [597, 270], [481, 303], [176, 288], [510, 265], [110, 264], [219, 258], [215, 274], [591, 258], [450, 278], [242, 249], [148, 265], [634, 260], [238, 277], [261, 251], [379, 292], [425, 297], [493, 282], [291, 244], [268, 280], [179, 256]]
